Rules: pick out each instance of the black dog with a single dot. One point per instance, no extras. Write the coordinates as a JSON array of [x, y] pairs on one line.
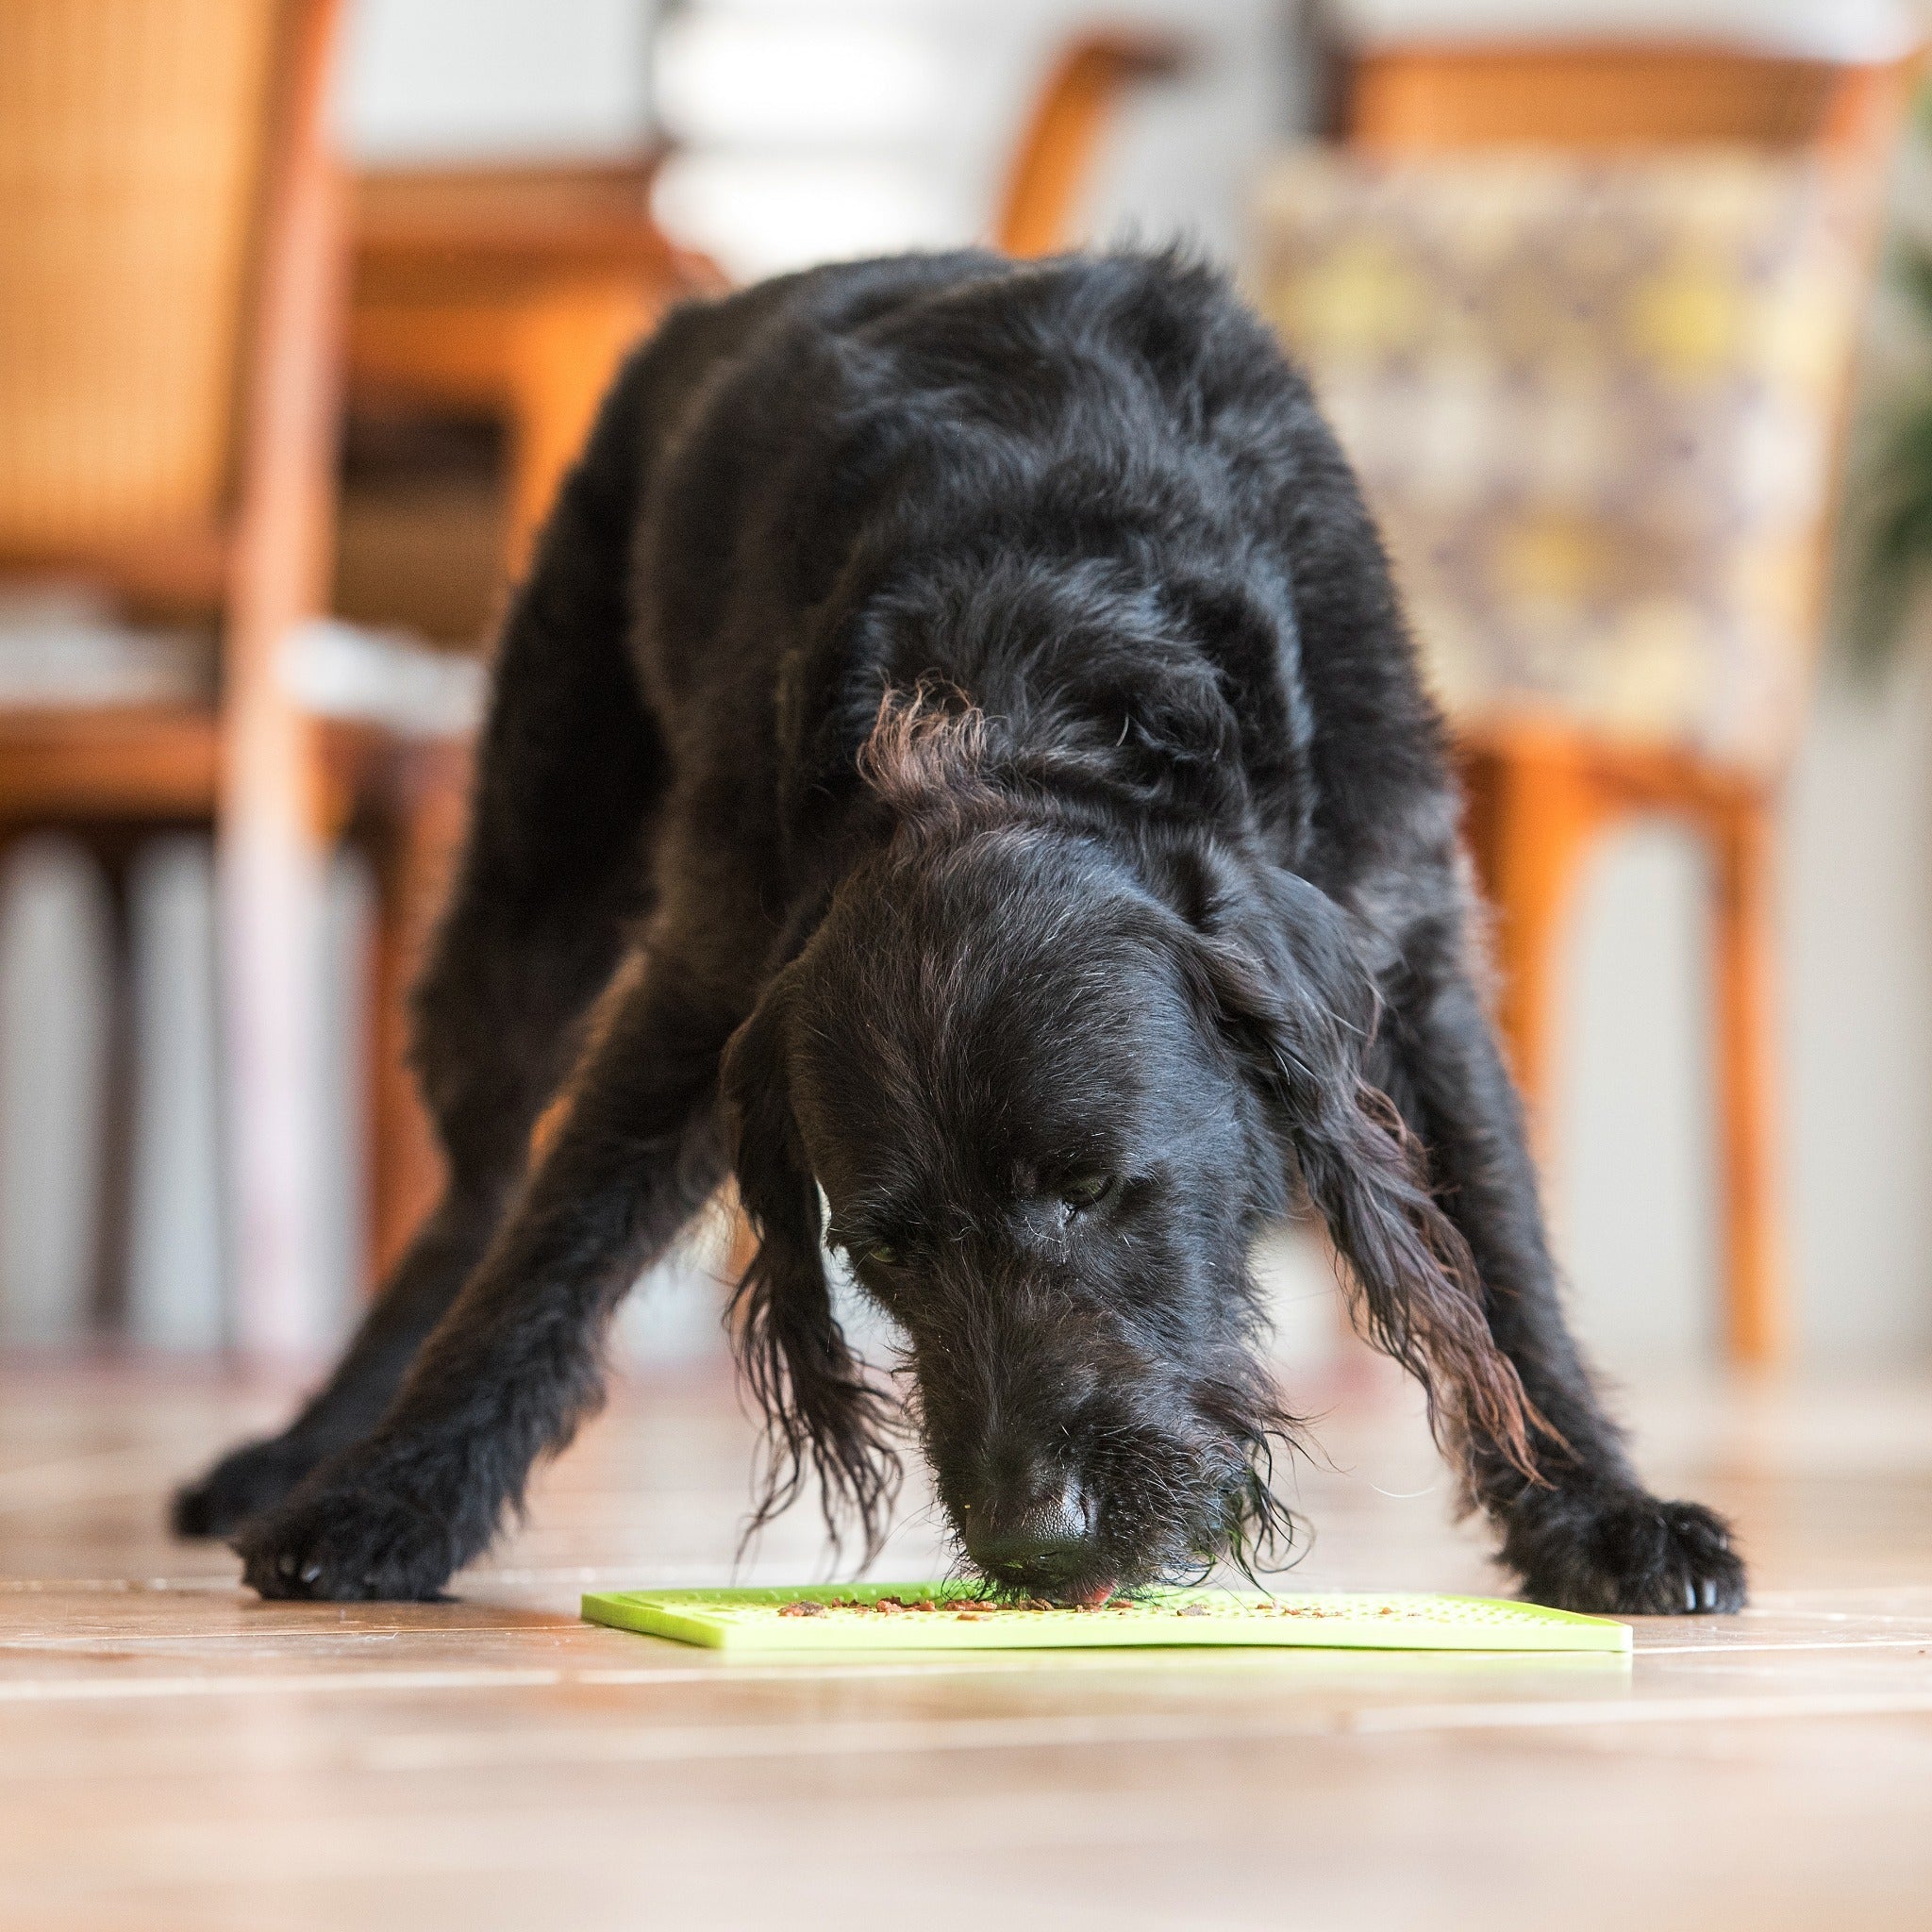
[[957, 758]]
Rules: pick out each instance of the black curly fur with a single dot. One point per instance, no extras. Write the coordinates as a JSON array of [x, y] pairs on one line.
[[956, 759]]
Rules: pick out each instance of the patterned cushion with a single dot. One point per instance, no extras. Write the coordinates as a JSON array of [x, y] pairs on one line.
[[1594, 406]]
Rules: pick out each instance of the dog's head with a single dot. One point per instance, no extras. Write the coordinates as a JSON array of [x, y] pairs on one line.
[[1047, 1107]]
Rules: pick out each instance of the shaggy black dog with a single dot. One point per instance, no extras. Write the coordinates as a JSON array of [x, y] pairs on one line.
[[957, 762]]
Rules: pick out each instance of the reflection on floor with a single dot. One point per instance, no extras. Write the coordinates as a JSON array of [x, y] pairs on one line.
[[174, 1754]]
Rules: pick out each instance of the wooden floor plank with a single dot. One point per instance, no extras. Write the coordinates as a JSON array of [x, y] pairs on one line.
[[173, 1753]]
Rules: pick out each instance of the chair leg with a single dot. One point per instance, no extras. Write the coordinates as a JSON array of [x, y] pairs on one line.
[[1535, 809], [567, 350], [1755, 1314], [394, 1156], [413, 857], [270, 879], [742, 1248], [114, 1140]]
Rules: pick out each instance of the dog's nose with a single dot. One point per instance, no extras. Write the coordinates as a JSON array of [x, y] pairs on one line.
[[1045, 1543]]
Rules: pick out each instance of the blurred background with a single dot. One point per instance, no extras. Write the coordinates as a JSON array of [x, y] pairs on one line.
[[1621, 308]]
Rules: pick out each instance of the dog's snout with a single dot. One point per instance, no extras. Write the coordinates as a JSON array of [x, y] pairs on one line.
[[1042, 1539]]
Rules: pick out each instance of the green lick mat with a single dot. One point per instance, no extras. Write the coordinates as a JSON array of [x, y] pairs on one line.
[[773, 1621]]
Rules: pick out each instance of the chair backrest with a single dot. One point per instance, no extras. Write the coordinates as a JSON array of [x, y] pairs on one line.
[[1431, 99], [1586, 320], [135, 138]]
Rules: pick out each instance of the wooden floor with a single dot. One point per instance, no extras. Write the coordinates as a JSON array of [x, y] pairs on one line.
[[173, 1754]]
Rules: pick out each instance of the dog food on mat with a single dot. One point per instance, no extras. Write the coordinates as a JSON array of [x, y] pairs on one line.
[[954, 1616]]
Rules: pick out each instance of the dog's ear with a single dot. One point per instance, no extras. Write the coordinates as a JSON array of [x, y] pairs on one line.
[[821, 1414], [1289, 986]]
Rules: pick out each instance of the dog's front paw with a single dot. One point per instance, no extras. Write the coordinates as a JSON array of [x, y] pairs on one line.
[[1622, 1552], [245, 1484], [348, 1540]]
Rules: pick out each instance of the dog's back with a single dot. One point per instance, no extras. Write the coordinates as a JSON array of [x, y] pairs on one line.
[[1093, 484]]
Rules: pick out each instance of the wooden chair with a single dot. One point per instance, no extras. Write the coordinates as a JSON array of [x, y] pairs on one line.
[[1544, 789], [512, 292], [170, 309], [1077, 106]]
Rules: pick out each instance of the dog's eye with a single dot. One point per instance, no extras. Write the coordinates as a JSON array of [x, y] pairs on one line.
[[884, 1254], [1087, 1191]]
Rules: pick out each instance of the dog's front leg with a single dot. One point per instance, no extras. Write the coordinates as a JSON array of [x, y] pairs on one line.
[[515, 1364], [1589, 1536]]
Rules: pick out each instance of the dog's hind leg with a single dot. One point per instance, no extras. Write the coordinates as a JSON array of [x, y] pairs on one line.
[[515, 1364], [554, 874], [1587, 1536]]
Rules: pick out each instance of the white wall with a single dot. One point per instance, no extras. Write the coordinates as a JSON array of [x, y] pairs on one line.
[[452, 79]]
